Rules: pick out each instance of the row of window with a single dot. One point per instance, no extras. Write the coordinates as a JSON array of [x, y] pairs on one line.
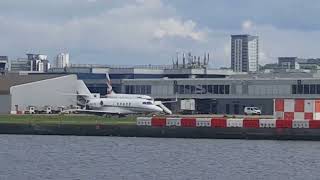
[[203, 89], [129, 104], [138, 89], [305, 89], [216, 89], [124, 104], [147, 103]]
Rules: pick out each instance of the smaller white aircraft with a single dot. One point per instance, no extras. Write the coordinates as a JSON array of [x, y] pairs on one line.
[[119, 106], [112, 94]]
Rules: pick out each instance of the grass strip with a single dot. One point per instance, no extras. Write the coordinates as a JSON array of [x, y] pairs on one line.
[[66, 119]]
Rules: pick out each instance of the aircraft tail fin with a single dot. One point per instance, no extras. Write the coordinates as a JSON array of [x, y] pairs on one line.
[[82, 90], [109, 86]]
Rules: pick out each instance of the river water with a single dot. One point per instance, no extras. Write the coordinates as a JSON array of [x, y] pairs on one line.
[[72, 157]]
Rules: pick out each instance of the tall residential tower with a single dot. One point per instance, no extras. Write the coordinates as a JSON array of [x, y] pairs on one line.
[[62, 60], [244, 53]]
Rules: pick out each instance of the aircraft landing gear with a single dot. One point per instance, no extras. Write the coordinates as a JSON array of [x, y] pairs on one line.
[[121, 115], [106, 115]]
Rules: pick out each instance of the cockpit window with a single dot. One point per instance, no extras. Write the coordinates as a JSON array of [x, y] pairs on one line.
[[148, 103], [147, 98]]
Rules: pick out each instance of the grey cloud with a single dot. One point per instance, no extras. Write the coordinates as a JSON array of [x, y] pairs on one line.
[[125, 31], [55, 11], [128, 29], [285, 14]]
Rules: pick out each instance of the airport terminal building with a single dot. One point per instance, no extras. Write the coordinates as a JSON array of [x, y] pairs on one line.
[[213, 91], [231, 94], [217, 91]]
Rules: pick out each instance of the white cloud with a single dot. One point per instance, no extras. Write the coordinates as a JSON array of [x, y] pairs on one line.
[[264, 58], [275, 42], [146, 31], [151, 3], [175, 28], [141, 27], [247, 25]]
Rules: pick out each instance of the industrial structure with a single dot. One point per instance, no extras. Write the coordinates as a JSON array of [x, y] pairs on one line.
[[62, 60], [33, 63], [293, 63], [3, 64]]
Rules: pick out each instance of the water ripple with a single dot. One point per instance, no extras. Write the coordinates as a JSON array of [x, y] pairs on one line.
[[72, 157]]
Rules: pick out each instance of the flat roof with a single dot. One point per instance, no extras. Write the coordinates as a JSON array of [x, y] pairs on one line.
[[12, 79]]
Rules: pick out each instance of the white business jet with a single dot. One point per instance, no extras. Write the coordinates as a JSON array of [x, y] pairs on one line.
[[119, 106], [111, 94]]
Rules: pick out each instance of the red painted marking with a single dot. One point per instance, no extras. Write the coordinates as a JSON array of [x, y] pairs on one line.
[[314, 124], [219, 122], [317, 105], [283, 124], [299, 105], [289, 116], [188, 122], [308, 116], [279, 105], [251, 123], [158, 121]]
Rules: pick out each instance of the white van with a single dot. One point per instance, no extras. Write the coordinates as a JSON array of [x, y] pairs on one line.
[[252, 111]]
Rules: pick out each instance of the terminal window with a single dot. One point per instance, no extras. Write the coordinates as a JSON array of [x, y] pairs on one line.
[[138, 89], [305, 89], [204, 89]]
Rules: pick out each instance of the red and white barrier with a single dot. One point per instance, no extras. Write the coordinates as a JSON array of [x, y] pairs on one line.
[[234, 122], [203, 122], [300, 124], [143, 121], [173, 122], [220, 122], [267, 123]]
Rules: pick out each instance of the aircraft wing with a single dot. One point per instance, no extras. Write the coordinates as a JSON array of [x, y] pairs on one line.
[[107, 111], [164, 102], [95, 111], [75, 94]]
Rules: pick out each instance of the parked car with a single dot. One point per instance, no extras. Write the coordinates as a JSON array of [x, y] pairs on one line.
[[252, 111]]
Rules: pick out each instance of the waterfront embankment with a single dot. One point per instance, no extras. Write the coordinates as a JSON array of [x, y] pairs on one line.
[[125, 127]]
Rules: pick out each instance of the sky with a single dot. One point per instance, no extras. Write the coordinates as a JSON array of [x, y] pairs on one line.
[[128, 32]]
